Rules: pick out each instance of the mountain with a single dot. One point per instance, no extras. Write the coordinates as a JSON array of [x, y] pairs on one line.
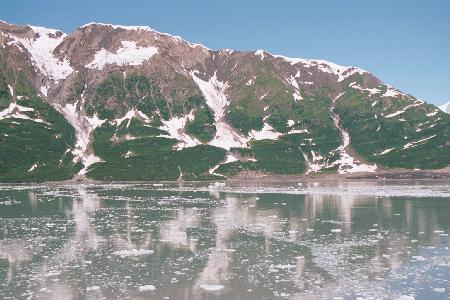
[[112, 102], [445, 107]]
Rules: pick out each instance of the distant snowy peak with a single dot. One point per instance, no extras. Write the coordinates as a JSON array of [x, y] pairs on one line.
[[445, 107]]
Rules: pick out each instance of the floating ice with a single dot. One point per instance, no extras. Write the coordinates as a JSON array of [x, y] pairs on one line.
[[147, 288], [133, 252], [211, 287]]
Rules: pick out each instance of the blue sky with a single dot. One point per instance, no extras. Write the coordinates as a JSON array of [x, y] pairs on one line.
[[405, 43]]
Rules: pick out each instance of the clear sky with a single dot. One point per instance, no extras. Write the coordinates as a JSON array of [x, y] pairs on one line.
[[405, 43]]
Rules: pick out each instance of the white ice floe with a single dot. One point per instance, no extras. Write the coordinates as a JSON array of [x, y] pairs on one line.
[[41, 49], [147, 288], [212, 287], [133, 252], [129, 54], [344, 189]]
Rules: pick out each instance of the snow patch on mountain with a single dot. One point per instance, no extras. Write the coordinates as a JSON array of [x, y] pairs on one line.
[[417, 143], [372, 91], [41, 49], [392, 92], [293, 82], [11, 90], [347, 163], [133, 113], [175, 128], [260, 53], [83, 130], [33, 167], [445, 107], [128, 54], [297, 96], [386, 151], [324, 66], [266, 133], [15, 111], [297, 131], [95, 121], [214, 92], [433, 113], [401, 111], [314, 164], [175, 38], [147, 28], [229, 159]]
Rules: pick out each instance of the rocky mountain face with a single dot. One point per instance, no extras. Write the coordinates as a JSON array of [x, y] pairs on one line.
[[129, 103]]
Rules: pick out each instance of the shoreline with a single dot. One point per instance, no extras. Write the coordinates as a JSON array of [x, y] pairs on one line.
[[253, 177]]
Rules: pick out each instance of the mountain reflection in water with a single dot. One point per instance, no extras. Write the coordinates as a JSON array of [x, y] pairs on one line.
[[198, 242]]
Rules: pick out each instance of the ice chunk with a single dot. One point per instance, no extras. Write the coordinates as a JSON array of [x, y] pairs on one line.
[[211, 287], [133, 252], [147, 288]]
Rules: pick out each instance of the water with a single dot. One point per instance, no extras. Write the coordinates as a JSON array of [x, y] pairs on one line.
[[212, 241]]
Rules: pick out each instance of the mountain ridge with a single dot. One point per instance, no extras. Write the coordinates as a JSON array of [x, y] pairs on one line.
[[133, 95]]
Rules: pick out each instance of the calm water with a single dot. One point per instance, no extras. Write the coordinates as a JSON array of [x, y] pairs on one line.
[[208, 241]]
